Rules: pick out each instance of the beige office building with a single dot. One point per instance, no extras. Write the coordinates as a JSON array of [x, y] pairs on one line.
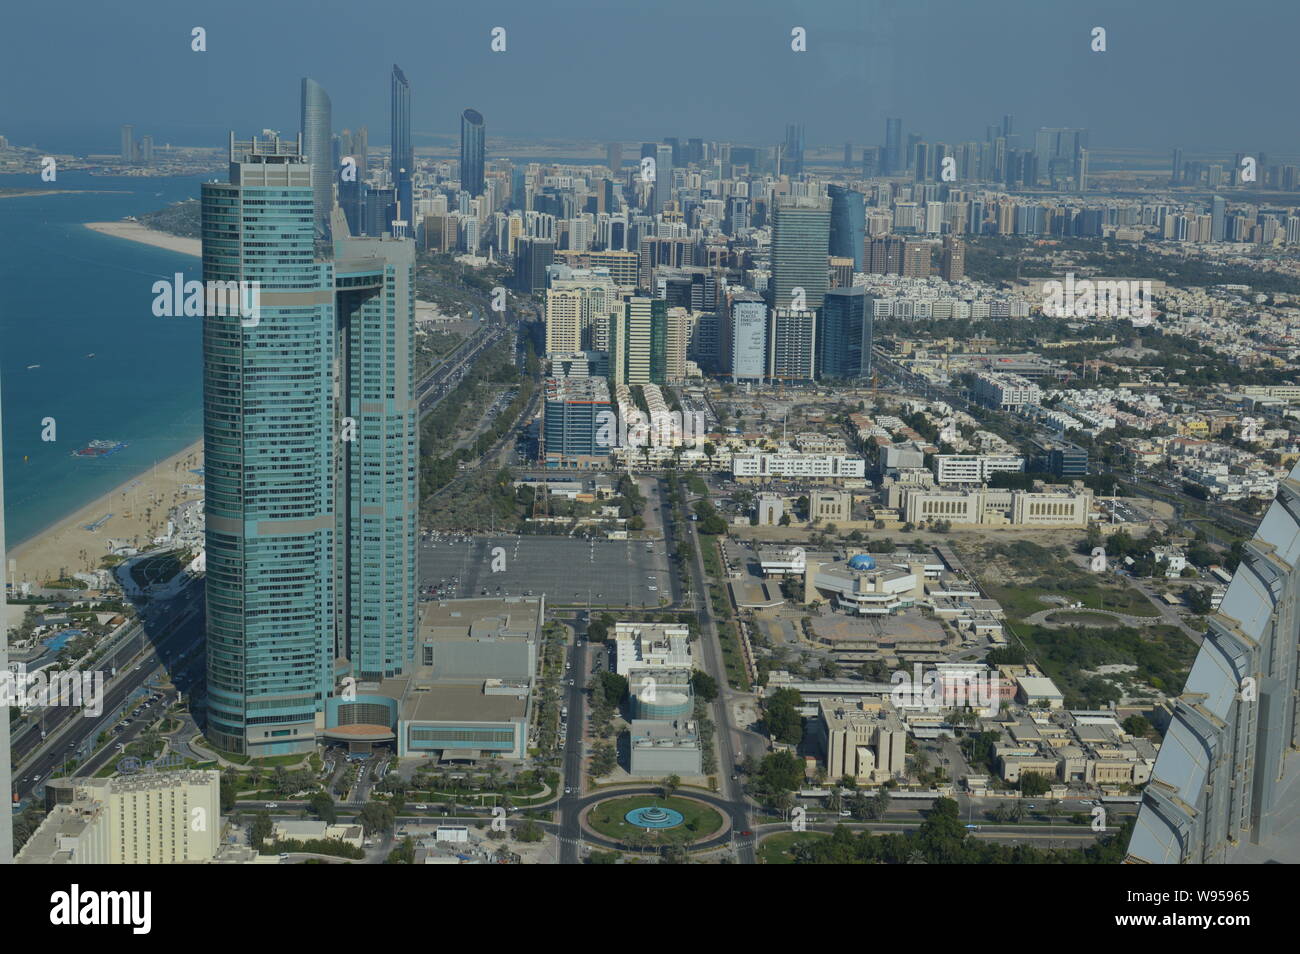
[[157, 818], [864, 739]]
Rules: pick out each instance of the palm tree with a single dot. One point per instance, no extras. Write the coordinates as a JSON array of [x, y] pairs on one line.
[[835, 801], [669, 785]]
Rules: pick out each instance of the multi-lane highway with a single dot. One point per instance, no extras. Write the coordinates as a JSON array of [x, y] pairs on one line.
[[170, 635]]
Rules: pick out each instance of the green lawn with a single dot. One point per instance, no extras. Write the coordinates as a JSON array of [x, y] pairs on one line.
[[607, 817], [775, 849], [1025, 600]]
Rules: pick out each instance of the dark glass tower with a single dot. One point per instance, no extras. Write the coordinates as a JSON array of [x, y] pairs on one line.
[[848, 224], [403, 154], [844, 338], [471, 151], [315, 126], [892, 160]]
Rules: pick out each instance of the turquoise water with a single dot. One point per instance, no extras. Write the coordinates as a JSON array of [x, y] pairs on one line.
[[652, 816], [67, 292]]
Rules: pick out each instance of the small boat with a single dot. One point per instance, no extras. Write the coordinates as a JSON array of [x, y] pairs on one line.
[[31, 366], [91, 355]]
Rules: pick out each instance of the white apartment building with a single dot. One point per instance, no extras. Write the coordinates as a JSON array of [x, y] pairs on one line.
[[974, 468], [784, 464], [651, 646]]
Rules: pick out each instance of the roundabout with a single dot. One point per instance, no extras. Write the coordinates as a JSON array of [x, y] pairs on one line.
[[648, 820]]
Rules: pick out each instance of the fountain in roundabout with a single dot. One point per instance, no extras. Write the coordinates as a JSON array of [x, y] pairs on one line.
[[652, 816]]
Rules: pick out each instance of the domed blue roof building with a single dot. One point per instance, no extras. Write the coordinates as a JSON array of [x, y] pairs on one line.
[[863, 561]]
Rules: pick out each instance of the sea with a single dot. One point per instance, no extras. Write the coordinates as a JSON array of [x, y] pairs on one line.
[[67, 293]]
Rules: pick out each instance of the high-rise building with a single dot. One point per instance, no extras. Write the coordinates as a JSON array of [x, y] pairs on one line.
[[844, 335], [848, 224], [793, 152], [471, 151], [314, 114], [892, 158], [270, 479], [800, 243], [792, 345], [953, 265], [402, 163], [614, 157], [128, 143], [532, 257], [575, 422], [639, 342], [663, 176], [745, 340], [378, 510], [146, 149], [6, 771], [1223, 786], [1218, 210], [310, 456]]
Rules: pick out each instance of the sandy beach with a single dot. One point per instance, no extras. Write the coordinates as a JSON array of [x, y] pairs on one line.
[[139, 513], [139, 506], [135, 232]]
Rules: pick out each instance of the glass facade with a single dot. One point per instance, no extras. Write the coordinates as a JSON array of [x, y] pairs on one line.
[[310, 455]]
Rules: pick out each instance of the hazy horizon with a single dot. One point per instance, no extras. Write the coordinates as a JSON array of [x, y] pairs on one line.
[[577, 69]]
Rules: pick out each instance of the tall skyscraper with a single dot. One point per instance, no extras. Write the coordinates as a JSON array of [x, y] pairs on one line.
[[6, 772], [1218, 210], [848, 224], [844, 335], [614, 157], [952, 266], [640, 342], [378, 503], [792, 345], [663, 176], [309, 434], [794, 146], [1223, 786], [316, 135], [471, 151], [745, 340], [128, 143], [892, 159], [800, 241], [403, 159]]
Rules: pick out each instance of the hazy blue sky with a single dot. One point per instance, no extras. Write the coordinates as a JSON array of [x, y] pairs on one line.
[[1204, 75]]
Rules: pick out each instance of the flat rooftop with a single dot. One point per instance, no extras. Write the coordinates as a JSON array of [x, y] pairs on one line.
[[462, 703]]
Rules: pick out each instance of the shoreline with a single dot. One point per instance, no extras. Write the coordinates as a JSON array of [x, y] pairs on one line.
[[67, 545], [136, 232]]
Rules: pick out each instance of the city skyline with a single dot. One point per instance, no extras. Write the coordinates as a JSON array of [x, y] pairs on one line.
[[1126, 98], [855, 433]]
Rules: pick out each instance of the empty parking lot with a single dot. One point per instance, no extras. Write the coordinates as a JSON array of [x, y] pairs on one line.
[[569, 571]]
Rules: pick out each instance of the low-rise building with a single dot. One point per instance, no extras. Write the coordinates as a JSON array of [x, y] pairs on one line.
[[662, 747], [863, 738]]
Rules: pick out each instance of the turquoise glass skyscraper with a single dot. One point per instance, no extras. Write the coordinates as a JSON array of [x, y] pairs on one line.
[[298, 417]]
